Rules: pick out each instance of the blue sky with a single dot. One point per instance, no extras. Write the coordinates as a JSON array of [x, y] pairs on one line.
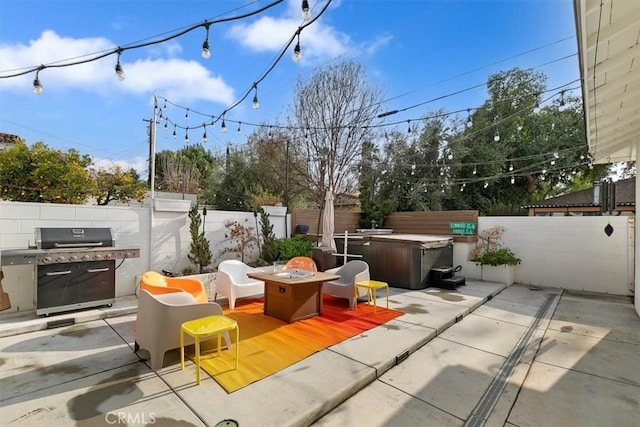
[[414, 50]]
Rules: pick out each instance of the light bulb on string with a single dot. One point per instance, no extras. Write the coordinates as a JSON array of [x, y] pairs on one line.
[[186, 135], [469, 120], [536, 107], [186, 115], [408, 126], [119, 70], [223, 126], [475, 171], [37, 87], [239, 124], [206, 53], [204, 135], [166, 124], [297, 53], [174, 132], [486, 184], [553, 162], [511, 167], [562, 105], [513, 180], [306, 12], [496, 137], [256, 103], [519, 128], [450, 156]]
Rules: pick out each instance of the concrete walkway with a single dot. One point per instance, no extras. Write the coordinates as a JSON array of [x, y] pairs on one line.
[[481, 354]]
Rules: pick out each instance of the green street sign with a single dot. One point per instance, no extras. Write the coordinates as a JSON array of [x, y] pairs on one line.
[[463, 228]]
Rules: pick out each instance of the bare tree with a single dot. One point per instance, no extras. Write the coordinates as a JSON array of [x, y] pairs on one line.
[[334, 111]]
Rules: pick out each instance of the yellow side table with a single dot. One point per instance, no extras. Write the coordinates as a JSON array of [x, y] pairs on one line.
[[372, 287], [204, 328]]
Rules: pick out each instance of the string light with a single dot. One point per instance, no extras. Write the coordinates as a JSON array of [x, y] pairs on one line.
[[204, 135], [37, 87], [469, 120], [206, 53], [119, 70], [223, 126], [239, 124], [174, 132], [306, 12], [408, 126], [256, 104], [186, 115], [297, 54], [186, 135]]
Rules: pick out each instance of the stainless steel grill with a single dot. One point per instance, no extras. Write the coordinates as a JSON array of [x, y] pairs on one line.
[[75, 267]]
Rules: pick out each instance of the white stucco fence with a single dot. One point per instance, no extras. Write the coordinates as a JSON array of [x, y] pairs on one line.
[[166, 248], [566, 252], [570, 252]]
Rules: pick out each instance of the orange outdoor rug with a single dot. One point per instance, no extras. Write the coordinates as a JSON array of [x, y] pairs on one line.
[[268, 345]]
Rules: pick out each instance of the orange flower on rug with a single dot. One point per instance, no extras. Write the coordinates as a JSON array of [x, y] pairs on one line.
[[268, 345]]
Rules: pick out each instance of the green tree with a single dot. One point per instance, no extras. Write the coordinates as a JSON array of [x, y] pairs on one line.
[[234, 193], [41, 174], [200, 254], [117, 184], [514, 152]]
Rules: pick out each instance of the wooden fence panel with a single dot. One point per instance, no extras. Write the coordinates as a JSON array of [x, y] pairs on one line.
[[401, 222]]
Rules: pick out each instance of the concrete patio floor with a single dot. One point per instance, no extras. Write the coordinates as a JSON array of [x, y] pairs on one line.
[[482, 354]]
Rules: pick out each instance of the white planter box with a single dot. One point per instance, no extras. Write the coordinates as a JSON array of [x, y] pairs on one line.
[[471, 270], [172, 205], [500, 273]]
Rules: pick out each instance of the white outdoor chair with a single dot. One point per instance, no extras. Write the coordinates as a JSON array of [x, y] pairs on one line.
[[232, 281], [159, 318], [345, 286]]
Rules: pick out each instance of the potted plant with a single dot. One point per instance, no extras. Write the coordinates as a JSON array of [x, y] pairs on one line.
[[496, 261]]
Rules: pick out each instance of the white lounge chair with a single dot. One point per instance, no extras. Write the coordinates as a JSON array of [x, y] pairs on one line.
[[345, 286], [232, 281], [159, 318]]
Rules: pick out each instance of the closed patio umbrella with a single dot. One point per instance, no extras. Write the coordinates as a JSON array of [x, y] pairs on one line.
[[327, 222]]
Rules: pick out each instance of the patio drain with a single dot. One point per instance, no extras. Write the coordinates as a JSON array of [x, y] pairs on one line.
[[227, 423], [483, 409], [60, 323]]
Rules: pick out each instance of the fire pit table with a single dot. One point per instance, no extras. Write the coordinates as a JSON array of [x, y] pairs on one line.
[[293, 295]]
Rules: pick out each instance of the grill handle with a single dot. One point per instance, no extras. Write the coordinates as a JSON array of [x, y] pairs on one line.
[[75, 245], [97, 270], [58, 273]]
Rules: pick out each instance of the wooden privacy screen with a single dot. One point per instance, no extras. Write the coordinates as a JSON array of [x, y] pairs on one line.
[[400, 222]]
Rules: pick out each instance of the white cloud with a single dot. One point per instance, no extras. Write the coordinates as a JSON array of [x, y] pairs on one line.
[[137, 163], [317, 41], [181, 79]]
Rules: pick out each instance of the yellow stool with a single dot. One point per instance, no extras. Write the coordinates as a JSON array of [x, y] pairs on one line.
[[204, 328], [372, 287]]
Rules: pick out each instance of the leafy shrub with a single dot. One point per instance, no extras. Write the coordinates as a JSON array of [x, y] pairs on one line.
[[501, 256], [489, 249], [294, 246]]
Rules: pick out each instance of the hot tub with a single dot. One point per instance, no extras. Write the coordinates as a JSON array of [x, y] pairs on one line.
[[401, 260]]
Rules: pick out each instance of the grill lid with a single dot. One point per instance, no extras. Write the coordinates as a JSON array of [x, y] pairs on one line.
[[73, 237]]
